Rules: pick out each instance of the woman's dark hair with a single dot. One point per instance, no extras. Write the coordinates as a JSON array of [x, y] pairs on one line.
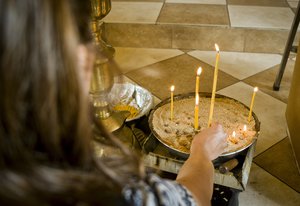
[[82, 10], [42, 108], [44, 118]]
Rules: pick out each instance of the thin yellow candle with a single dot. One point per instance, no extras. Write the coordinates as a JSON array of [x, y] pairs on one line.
[[198, 80], [211, 111], [172, 101], [233, 134], [252, 103], [245, 128], [196, 116]]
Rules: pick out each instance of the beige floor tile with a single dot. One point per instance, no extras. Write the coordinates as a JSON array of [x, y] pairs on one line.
[[260, 17], [270, 112], [133, 12], [293, 4], [265, 81], [264, 189], [220, 2], [280, 3], [179, 71], [280, 162], [193, 14], [240, 65], [139, 35], [204, 38], [133, 58], [265, 41]]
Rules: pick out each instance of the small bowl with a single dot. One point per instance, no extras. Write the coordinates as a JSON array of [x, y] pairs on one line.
[[131, 95]]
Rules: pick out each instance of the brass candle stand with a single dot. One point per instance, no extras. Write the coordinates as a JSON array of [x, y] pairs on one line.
[[102, 77]]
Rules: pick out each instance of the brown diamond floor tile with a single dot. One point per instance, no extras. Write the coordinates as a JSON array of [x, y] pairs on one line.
[[265, 81], [280, 162], [264, 189], [193, 14], [179, 71], [281, 3]]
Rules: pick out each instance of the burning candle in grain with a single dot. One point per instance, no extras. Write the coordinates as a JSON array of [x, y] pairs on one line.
[[252, 103], [211, 111], [196, 116], [172, 102], [245, 128], [233, 134], [198, 80]]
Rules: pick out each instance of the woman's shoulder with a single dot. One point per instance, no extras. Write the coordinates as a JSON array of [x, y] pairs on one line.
[[154, 190]]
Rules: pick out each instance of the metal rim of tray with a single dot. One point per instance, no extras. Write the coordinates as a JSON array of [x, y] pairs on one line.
[[182, 154]]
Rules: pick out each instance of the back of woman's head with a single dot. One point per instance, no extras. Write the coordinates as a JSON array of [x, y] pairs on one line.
[[45, 147], [43, 112]]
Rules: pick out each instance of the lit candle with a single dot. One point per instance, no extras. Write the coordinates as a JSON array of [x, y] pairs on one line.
[[211, 111], [252, 103], [233, 134], [172, 101], [245, 128], [197, 80], [196, 116]]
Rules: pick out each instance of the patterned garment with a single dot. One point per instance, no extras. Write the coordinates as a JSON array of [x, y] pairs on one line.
[[157, 191]]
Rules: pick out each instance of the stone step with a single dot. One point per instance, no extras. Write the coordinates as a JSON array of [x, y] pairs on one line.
[[191, 37]]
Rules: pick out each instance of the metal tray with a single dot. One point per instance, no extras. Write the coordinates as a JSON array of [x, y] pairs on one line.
[[222, 158]]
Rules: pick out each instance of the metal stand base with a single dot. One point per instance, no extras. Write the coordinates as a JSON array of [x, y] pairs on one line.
[[288, 47]]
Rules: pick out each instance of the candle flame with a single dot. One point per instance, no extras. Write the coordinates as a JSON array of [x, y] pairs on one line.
[[172, 88], [255, 89], [233, 134], [217, 48], [197, 99], [199, 71], [245, 128]]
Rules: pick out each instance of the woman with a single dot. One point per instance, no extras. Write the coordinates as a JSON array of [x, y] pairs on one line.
[[46, 155]]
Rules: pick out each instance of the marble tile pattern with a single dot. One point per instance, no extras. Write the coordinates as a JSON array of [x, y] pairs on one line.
[[265, 80], [133, 12], [265, 41], [189, 14], [261, 17], [272, 3], [240, 65], [280, 162], [246, 30], [193, 23], [204, 38], [132, 58], [265, 189], [293, 4], [179, 71], [139, 35]]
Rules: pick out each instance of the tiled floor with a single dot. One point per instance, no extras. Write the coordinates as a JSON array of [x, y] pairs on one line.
[[159, 43]]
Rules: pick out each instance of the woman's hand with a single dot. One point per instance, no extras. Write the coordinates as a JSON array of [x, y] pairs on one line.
[[209, 143], [197, 173]]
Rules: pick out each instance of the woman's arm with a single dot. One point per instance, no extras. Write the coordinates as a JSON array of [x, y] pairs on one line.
[[197, 172]]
